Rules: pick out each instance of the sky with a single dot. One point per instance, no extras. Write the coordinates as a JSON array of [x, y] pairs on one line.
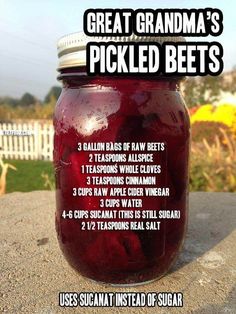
[[29, 31]]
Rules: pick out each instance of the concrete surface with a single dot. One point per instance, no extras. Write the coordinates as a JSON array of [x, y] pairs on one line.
[[33, 270]]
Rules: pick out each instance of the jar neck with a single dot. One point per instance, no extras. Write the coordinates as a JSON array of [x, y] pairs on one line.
[[75, 77]]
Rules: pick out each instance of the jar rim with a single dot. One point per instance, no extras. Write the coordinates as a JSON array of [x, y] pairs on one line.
[[71, 48]]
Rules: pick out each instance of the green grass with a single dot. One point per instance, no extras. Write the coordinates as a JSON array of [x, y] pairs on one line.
[[28, 175]]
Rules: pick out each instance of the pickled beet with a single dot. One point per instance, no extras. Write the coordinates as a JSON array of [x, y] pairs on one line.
[[119, 110]]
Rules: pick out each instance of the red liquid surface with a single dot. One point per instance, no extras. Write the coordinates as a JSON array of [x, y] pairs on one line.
[[120, 110]]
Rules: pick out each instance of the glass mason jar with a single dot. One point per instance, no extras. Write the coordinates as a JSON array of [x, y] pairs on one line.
[[121, 151]]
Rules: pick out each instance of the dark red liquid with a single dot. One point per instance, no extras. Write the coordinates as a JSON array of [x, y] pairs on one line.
[[120, 110]]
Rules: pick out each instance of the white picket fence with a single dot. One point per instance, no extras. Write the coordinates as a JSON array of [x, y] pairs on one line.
[[26, 140]]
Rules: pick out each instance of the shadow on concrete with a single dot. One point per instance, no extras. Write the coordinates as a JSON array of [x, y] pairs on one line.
[[212, 217]]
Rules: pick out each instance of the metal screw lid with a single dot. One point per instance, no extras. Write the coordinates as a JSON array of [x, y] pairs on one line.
[[72, 48]]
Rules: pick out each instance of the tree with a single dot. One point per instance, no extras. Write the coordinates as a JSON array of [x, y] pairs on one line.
[[27, 99], [55, 92], [202, 90], [9, 101]]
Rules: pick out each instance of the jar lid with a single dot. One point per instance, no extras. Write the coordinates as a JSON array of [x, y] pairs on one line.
[[72, 48]]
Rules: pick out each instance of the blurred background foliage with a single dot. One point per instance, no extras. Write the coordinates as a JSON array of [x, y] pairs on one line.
[[28, 106], [213, 122]]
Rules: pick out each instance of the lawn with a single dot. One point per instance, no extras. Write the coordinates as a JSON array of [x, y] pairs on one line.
[[28, 176]]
